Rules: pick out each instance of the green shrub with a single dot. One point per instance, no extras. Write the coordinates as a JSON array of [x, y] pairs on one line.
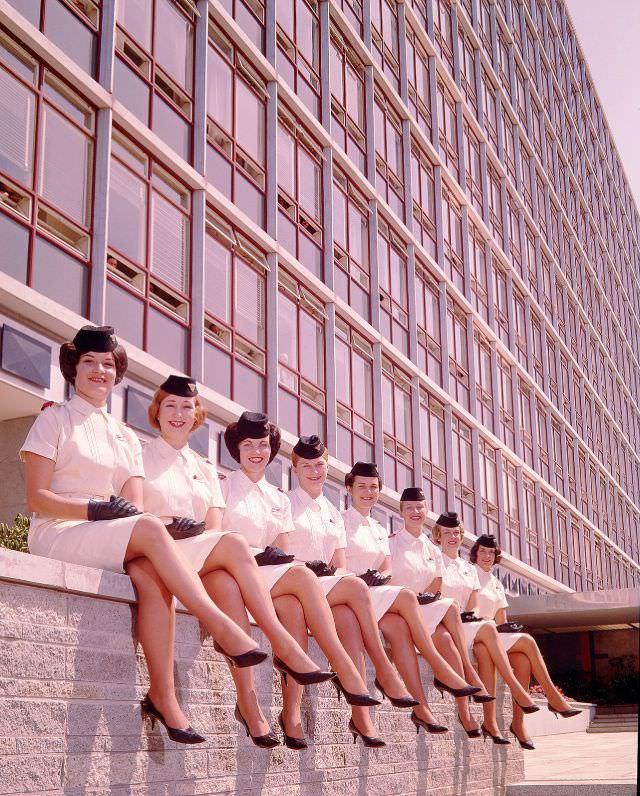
[[14, 536]]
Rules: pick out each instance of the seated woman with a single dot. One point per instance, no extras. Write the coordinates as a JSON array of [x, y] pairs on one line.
[[262, 514], [396, 609], [522, 650], [460, 581], [84, 476], [417, 564], [183, 490], [319, 539]]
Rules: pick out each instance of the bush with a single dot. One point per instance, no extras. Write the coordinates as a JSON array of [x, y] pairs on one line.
[[14, 537]]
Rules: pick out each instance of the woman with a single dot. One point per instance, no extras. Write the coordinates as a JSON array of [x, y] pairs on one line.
[[460, 581], [396, 608], [84, 478], [417, 564], [319, 539], [183, 490], [262, 514], [522, 650]]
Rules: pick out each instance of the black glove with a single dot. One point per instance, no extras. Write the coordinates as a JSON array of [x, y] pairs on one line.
[[112, 509], [426, 597], [469, 616], [510, 627], [373, 578], [184, 527], [271, 556], [320, 569]]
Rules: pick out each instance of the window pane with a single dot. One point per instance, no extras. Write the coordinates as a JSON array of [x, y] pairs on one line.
[[131, 90], [14, 248], [286, 164], [30, 9], [59, 276], [127, 213], [217, 279], [219, 88], [249, 122], [169, 230], [362, 398], [249, 303], [64, 28], [309, 184], [126, 313], [173, 35], [311, 349], [248, 387], [167, 340], [217, 370], [287, 332], [17, 106], [171, 127], [342, 373], [135, 17]]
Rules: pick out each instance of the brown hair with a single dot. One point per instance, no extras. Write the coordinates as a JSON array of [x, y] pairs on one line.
[[69, 359], [349, 479], [232, 440], [154, 409], [295, 458], [473, 553]]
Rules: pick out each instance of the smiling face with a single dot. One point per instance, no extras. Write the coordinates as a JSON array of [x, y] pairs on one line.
[[414, 513], [254, 455], [450, 540], [95, 376], [311, 474], [364, 492], [486, 557], [176, 416]]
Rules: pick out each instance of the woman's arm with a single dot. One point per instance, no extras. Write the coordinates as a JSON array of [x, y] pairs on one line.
[[339, 560], [472, 602], [40, 498], [213, 519], [133, 492], [501, 616], [435, 585], [281, 541], [385, 567]]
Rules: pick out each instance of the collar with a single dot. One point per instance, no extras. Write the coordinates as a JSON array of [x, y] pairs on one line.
[[315, 504], [263, 485], [84, 408], [166, 451], [353, 511], [482, 574], [408, 538]]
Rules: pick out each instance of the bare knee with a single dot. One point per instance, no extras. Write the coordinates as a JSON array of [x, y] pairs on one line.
[[289, 609], [235, 545], [303, 580], [144, 576], [395, 629], [481, 652], [149, 531], [357, 591], [345, 620], [406, 600], [221, 584], [442, 639], [527, 642]]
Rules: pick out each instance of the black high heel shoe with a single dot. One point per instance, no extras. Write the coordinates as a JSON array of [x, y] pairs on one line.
[[566, 714], [188, 735], [267, 741], [528, 708], [525, 744], [397, 702], [289, 740], [367, 740], [475, 733], [497, 739], [360, 700], [302, 678], [427, 726], [480, 699], [251, 658], [468, 690]]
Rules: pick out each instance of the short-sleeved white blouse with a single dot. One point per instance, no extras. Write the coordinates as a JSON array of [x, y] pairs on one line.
[[415, 561], [491, 596]]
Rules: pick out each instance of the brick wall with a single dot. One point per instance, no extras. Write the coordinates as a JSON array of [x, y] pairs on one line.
[[71, 677]]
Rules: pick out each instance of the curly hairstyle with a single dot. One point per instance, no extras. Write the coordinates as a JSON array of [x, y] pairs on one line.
[[349, 480], [436, 532], [473, 553], [233, 439], [154, 409], [69, 359]]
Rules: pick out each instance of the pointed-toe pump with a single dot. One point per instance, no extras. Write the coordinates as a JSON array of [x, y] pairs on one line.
[[528, 709], [266, 741], [302, 678], [290, 741], [251, 658], [360, 700], [367, 740], [474, 733], [468, 690], [427, 726], [566, 714], [497, 739], [480, 699], [525, 743], [188, 735], [397, 702]]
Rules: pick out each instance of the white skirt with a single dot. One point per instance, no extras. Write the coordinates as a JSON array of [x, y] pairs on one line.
[[508, 640], [470, 630], [433, 613], [271, 574], [329, 581], [382, 598], [196, 549]]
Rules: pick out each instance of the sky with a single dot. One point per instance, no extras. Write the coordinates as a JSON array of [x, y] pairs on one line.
[[609, 35]]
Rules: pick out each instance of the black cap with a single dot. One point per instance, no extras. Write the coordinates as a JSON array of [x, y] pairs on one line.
[[309, 447], [448, 520], [365, 469], [100, 339], [182, 386], [252, 425], [412, 493], [487, 540]]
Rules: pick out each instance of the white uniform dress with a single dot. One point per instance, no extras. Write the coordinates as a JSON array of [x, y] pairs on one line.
[[180, 483], [260, 512], [459, 580], [94, 456], [491, 598], [415, 562], [367, 547], [318, 532]]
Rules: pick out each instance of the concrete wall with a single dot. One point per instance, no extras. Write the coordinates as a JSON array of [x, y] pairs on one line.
[[12, 492], [71, 677]]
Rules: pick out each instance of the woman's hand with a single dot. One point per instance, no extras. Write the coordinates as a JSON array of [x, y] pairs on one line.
[[184, 527], [113, 509]]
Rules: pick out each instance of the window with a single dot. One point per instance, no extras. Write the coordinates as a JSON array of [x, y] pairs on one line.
[[576, 535], [520, 317], [514, 235], [299, 193], [234, 304], [419, 98], [526, 423], [353, 11], [473, 169], [484, 25], [301, 368], [250, 16], [354, 393], [46, 168], [397, 426], [349, 126], [570, 452], [464, 487], [458, 353], [448, 129], [236, 109], [384, 39], [528, 170], [351, 244], [557, 451], [443, 32], [467, 69], [521, 97], [505, 392], [503, 63], [553, 370], [153, 74], [511, 508], [543, 441], [484, 380], [501, 302], [494, 188], [564, 544], [392, 269], [548, 534], [428, 321], [490, 110], [298, 49], [452, 236], [488, 488], [479, 272], [510, 139], [424, 208], [530, 520], [389, 179], [434, 469]]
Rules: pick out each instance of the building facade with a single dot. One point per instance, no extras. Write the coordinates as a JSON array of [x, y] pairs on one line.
[[402, 226]]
